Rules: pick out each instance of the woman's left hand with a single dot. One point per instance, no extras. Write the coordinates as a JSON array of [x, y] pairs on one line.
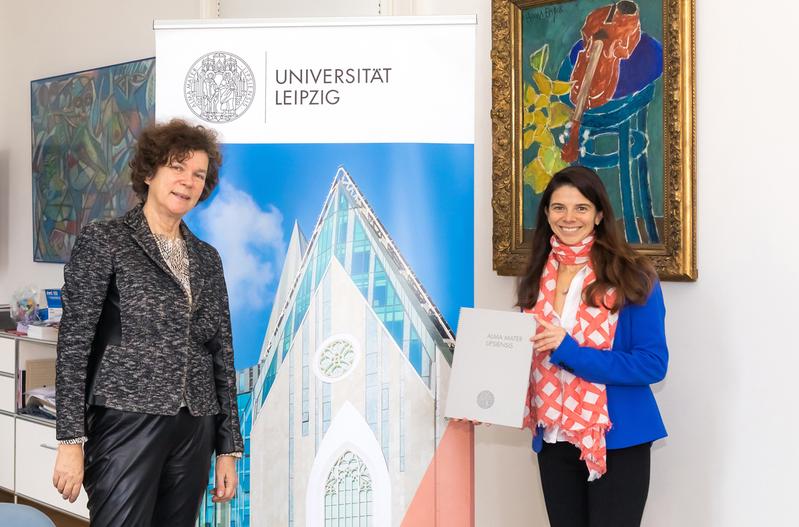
[[548, 339], [226, 479]]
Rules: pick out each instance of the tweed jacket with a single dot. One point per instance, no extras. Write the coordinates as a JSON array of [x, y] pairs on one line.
[[130, 339]]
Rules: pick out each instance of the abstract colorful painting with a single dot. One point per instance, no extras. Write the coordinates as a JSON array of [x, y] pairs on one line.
[[82, 127], [583, 83], [601, 108]]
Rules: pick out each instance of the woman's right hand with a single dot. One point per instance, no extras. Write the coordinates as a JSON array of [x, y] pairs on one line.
[[68, 472]]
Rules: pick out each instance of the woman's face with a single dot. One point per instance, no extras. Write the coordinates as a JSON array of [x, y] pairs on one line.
[[177, 186], [571, 215]]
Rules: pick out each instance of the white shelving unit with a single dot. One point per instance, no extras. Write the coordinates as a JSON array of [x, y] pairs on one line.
[[28, 444]]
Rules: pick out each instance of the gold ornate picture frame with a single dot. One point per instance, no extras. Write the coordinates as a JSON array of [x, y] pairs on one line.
[[641, 140]]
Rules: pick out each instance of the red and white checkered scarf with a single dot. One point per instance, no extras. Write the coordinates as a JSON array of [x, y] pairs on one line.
[[557, 398]]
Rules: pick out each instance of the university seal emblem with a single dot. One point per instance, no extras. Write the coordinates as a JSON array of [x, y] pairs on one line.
[[219, 87], [485, 399]]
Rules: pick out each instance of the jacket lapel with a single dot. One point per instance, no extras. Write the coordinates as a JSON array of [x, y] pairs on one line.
[[144, 237], [197, 264]]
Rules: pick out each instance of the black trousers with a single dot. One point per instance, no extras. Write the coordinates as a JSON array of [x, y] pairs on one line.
[[616, 499], [146, 470]]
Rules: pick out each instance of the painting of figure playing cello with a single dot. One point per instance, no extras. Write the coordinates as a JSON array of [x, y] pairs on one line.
[[583, 82]]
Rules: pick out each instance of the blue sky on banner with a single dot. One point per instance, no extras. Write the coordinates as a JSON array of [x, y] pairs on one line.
[[422, 193]]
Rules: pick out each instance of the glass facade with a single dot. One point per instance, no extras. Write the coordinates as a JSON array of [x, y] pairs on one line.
[[237, 512], [372, 376], [306, 378], [394, 318], [360, 266], [343, 235], [291, 441]]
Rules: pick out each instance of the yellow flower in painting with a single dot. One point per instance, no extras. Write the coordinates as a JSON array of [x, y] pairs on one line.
[[550, 159], [529, 95], [540, 119], [544, 137], [559, 114], [561, 88], [529, 119], [539, 58], [536, 176], [543, 83], [528, 138], [542, 101], [541, 113]]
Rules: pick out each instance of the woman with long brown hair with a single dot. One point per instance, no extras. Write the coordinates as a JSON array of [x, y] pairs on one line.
[[600, 343]]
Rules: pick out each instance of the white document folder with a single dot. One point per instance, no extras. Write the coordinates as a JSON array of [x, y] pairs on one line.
[[491, 366]]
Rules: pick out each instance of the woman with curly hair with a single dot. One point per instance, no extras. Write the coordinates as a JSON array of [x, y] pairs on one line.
[[145, 383]]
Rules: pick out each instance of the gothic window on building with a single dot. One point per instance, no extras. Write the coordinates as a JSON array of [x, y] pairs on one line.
[[348, 493], [336, 358]]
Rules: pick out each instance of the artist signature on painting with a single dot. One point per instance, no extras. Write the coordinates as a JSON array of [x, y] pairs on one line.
[[543, 14]]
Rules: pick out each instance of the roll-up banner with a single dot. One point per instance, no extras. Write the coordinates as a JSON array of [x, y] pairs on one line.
[[344, 218]]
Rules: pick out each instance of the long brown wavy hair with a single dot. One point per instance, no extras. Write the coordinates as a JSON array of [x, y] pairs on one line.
[[615, 263]]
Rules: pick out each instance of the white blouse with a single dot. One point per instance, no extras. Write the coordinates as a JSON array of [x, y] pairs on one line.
[[567, 320]]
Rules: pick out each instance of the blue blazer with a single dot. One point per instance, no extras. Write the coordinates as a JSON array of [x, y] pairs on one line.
[[639, 357]]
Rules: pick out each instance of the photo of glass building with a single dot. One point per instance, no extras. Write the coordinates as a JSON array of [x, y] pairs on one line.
[[237, 512], [346, 409]]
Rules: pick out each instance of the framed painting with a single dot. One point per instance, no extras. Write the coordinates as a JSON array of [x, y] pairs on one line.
[[605, 85], [82, 128]]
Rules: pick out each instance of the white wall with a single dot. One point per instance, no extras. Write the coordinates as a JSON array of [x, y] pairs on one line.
[[41, 39], [6, 35], [298, 8], [727, 401], [729, 398]]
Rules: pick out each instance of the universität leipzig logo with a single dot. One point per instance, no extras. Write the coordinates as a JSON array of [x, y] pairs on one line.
[[219, 87]]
